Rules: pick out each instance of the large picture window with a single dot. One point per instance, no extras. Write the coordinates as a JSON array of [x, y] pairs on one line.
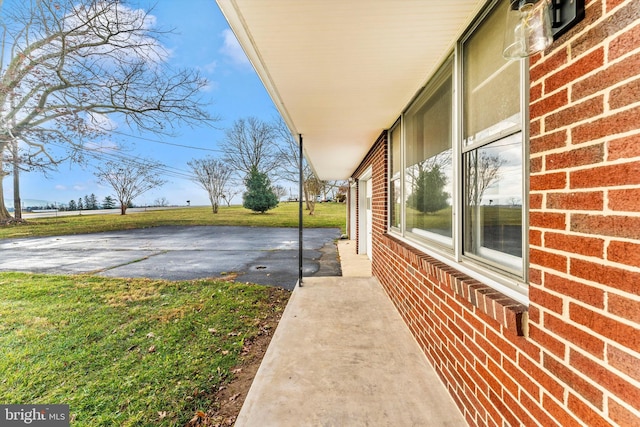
[[428, 175], [457, 162]]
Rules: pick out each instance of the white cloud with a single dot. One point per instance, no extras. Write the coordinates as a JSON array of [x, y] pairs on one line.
[[99, 121], [79, 187], [232, 50], [61, 187], [209, 68]]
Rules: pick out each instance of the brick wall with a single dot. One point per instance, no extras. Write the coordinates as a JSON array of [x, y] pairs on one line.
[[579, 363]]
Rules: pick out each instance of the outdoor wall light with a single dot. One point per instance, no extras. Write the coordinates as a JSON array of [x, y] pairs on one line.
[[532, 25]]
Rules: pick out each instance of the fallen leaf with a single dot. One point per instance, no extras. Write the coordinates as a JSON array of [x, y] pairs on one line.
[[212, 330], [236, 371], [234, 397], [225, 352], [151, 335], [152, 349], [162, 414]]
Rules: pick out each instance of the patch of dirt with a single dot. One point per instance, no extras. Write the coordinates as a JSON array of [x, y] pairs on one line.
[[227, 400]]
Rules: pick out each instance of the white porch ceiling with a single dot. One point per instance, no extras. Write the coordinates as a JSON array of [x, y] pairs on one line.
[[341, 71]]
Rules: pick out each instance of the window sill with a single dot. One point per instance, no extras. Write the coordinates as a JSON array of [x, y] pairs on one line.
[[508, 312]]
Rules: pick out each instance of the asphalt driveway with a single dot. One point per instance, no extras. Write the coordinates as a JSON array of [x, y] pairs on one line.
[[260, 255]]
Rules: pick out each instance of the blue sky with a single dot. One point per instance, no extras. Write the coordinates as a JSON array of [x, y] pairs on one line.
[[202, 40]]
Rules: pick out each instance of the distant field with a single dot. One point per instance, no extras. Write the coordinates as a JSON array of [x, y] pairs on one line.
[[285, 215]]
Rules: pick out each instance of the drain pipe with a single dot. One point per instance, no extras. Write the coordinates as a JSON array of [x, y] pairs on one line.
[[300, 214]]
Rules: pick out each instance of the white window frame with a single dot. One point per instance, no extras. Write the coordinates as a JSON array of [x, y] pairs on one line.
[[503, 278]]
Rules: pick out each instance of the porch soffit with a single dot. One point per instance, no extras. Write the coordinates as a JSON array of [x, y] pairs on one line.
[[339, 71]]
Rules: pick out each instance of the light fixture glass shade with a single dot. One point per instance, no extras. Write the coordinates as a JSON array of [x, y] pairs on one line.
[[528, 28]]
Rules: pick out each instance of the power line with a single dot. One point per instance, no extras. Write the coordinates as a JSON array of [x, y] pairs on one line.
[[217, 150]]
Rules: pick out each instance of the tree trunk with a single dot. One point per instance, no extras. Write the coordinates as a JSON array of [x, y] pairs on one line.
[[123, 208], [17, 203], [4, 213]]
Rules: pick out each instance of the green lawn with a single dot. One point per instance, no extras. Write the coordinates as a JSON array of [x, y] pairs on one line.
[[125, 352], [285, 215]]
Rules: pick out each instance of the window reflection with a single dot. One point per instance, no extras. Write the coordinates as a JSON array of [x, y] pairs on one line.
[[493, 198]]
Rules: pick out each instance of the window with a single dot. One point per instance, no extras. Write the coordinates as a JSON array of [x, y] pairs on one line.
[[457, 160], [395, 189], [492, 147], [428, 174]]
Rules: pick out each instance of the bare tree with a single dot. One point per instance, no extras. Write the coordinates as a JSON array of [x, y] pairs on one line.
[[279, 191], [484, 170], [213, 176], [251, 143], [290, 166], [67, 64], [232, 190], [129, 179]]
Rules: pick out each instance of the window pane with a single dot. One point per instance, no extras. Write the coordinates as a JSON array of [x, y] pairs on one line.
[[493, 198], [429, 172], [491, 83], [394, 187]]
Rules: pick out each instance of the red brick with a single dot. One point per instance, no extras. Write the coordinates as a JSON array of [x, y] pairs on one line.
[[621, 333], [606, 176], [621, 122], [610, 76], [548, 181], [586, 413], [549, 104], [503, 378], [548, 342], [576, 290], [624, 362], [627, 200], [535, 201], [626, 42], [550, 64], [534, 408], [535, 93], [538, 296], [606, 225], [612, 4], [577, 157], [588, 246], [575, 113], [535, 165], [624, 148], [548, 141], [624, 252], [534, 128], [624, 307], [605, 378], [560, 413], [548, 260], [627, 94], [583, 201], [555, 221], [616, 278], [580, 338], [621, 415], [574, 381], [575, 71], [535, 237], [535, 277]]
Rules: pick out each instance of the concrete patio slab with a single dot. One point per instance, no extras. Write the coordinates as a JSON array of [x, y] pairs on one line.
[[342, 356]]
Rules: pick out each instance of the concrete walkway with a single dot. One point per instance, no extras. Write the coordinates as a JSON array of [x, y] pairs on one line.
[[342, 356]]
